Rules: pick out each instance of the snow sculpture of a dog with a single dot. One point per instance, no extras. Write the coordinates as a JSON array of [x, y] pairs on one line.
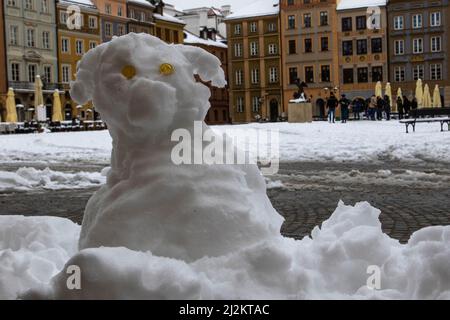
[[145, 89]]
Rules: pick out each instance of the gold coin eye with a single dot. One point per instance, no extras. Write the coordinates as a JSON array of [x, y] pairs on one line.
[[129, 72], [166, 69]]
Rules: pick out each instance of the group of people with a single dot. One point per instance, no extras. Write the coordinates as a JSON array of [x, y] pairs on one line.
[[374, 107]]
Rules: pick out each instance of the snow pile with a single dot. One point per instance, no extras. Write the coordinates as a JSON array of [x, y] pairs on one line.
[[333, 264], [33, 250], [25, 179]]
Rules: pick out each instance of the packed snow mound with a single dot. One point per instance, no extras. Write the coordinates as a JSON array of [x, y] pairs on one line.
[[33, 250], [25, 179], [145, 89], [331, 264]]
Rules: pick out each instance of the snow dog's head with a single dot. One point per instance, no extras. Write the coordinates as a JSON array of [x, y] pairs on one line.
[[141, 85]]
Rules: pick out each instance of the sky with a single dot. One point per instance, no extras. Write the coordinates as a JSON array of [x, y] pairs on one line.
[[186, 4]]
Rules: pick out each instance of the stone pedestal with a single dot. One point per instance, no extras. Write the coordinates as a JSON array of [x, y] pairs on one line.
[[300, 112]]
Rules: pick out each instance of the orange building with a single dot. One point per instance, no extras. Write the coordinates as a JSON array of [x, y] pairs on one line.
[[167, 28]]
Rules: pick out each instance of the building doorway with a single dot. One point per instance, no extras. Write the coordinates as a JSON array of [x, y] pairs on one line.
[[68, 112], [274, 110]]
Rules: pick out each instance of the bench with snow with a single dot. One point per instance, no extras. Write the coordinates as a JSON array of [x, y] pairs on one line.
[[412, 122]]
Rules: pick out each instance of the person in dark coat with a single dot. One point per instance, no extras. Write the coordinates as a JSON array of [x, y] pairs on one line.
[[387, 107], [414, 104], [406, 106], [379, 109], [344, 103], [332, 103], [400, 107], [356, 108]]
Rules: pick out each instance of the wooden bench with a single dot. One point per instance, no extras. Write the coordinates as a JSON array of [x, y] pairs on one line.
[[413, 122]]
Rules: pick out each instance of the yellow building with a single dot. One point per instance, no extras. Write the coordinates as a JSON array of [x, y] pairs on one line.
[[167, 28], [75, 38], [254, 63], [309, 40]]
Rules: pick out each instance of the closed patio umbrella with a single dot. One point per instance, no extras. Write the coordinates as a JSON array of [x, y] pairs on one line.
[[11, 111], [426, 99], [40, 110], [437, 102], [400, 93], [378, 89], [419, 92], [388, 92], [57, 115]]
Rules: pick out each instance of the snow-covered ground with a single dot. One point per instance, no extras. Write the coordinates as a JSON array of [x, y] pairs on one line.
[[319, 141]]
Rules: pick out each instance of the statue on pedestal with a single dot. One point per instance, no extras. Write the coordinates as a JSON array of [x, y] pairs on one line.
[[300, 96]]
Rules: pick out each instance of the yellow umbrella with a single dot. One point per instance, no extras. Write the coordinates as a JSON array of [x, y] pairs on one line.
[[388, 92], [400, 93], [419, 92], [378, 90], [11, 111], [426, 99], [39, 100], [57, 110], [437, 103]]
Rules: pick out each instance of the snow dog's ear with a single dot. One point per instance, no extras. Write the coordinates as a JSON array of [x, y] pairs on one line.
[[206, 65], [83, 88]]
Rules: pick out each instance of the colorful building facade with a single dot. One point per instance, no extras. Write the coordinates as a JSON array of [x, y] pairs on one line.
[[3, 67], [167, 28], [140, 15], [113, 18]]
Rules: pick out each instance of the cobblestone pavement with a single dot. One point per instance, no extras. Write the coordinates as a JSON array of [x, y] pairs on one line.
[[410, 197]]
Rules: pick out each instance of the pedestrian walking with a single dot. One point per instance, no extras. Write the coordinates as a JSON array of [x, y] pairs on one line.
[[344, 104], [400, 107], [406, 106], [332, 103], [372, 107], [379, 108], [414, 104], [387, 107], [356, 109]]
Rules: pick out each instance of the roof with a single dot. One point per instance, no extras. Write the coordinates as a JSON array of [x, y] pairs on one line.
[[191, 38], [168, 18], [256, 9], [142, 2], [359, 4], [87, 3]]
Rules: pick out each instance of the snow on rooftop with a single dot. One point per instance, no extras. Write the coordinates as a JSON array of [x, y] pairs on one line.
[[88, 3], [193, 39], [353, 4], [256, 9], [144, 2], [168, 18]]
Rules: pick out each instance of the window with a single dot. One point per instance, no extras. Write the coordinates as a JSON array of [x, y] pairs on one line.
[[255, 104], [119, 11], [307, 20], [13, 35], [30, 38], [308, 45], [418, 72], [363, 75], [44, 6], [418, 45], [273, 74], [29, 5], [346, 24], [347, 48], [361, 46], [272, 27], [32, 72], [63, 17], [323, 18], [309, 74], [46, 40], [65, 68], [324, 44], [435, 19], [15, 72], [253, 27], [237, 29], [79, 47], [399, 74], [48, 74], [255, 76], [377, 45], [273, 48], [121, 31], [132, 15], [436, 44], [292, 47], [143, 18], [239, 77], [108, 29], [12, 3], [92, 22], [417, 21], [361, 23], [291, 22], [253, 48], [436, 71], [377, 74], [92, 44], [348, 75], [240, 104], [398, 23], [325, 73], [238, 49], [108, 8], [65, 45], [399, 47], [290, 2], [293, 75]]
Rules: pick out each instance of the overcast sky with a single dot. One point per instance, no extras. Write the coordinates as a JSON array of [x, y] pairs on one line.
[[186, 4]]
